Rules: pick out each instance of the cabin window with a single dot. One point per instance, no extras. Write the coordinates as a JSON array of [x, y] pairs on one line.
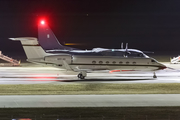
[[107, 62], [134, 62], [120, 62], [100, 62], [93, 62], [127, 62], [58, 58], [114, 62]]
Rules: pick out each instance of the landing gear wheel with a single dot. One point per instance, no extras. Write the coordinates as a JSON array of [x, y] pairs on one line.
[[154, 76], [80, 75]]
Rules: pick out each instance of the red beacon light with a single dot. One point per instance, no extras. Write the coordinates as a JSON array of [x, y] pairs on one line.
[[42, 22]]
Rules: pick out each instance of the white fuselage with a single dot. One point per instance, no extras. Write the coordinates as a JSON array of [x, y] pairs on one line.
[[91, 63]]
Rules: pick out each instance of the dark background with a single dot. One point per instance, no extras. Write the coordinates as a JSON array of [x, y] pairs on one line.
[[147, 25]]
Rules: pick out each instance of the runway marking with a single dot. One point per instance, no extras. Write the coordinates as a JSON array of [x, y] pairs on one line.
[[16, 103], [49, 103]]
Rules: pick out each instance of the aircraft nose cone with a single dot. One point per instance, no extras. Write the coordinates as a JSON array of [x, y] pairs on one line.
[[162, 67]]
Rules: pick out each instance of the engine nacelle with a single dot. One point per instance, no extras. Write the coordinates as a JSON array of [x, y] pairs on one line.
[[57, 59]]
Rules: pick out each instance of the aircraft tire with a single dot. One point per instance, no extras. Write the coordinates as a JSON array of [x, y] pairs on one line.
[[80, 75], [154, 76]]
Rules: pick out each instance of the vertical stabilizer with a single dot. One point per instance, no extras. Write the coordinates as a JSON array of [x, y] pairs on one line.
[[47, 39]]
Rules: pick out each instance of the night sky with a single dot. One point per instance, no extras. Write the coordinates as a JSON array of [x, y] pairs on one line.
[[147, 25]]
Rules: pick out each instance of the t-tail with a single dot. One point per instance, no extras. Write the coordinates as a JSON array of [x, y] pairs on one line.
[[32, 48], [47, 39]]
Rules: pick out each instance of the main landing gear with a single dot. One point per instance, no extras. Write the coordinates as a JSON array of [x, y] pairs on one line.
[[82, 75], [154, 76]]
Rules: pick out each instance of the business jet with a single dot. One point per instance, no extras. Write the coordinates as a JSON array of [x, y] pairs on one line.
[[47, 50]]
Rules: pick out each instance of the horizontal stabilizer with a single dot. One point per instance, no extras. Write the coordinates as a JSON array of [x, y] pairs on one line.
[[31, 47], [26, 40]]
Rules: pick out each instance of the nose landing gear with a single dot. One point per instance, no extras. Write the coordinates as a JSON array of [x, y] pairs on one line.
[[154, 76]]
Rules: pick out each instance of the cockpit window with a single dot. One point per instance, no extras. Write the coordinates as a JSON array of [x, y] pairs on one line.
[[153, 61], [140, 55]]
